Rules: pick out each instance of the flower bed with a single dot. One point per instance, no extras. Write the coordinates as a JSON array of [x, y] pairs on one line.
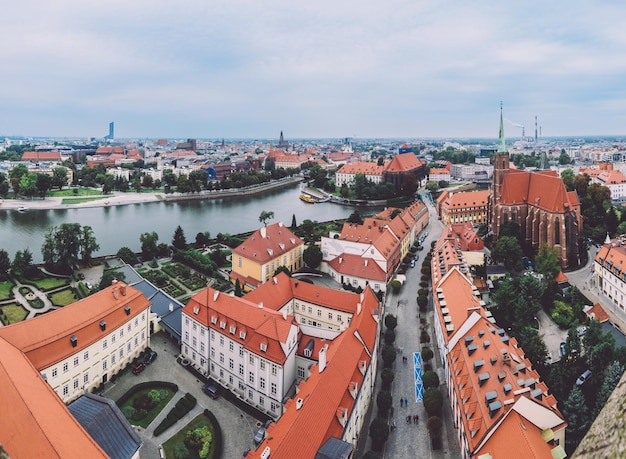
[[143, 402]]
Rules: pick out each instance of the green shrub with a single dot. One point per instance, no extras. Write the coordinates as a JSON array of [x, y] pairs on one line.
[[128, 411], [427, 354], [430, 379]]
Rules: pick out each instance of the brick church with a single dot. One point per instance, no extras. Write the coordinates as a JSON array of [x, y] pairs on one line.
[[539, 202]]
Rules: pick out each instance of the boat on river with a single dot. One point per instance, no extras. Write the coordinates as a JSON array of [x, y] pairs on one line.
[[22, 209], [307, 198]]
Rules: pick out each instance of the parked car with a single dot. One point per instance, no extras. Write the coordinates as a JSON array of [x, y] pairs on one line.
[[150, 357], [563, 348], [412, 264], [582, 330], [259, 435], [583, 378], [138, 368], [210, 390]]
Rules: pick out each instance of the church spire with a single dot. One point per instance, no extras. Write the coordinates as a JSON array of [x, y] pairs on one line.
[[501, 143]]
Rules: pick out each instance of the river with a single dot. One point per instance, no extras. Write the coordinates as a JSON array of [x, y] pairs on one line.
[[119, 226]]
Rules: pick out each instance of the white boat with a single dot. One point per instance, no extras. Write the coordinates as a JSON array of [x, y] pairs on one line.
[[22, 209]]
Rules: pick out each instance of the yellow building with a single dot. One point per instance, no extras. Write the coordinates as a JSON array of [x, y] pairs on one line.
[[256, 260]]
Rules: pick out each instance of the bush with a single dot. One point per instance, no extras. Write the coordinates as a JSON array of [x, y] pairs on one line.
[[433, 401], [434, 426], [422, 302], [181, 451], [388, 355], [182, 407], [423, 284], [387, 376], [390, 336], [427, 354], [217, 434], [395, 285], [128, 411], [424, 337]]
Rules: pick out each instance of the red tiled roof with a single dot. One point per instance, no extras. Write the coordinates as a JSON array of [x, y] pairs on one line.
[[268, 243], [543, 189], [35, 422], [361, 168], [41, 156], [467, 199], [46, 339], [405, 162], [597, 312], [356, 266]]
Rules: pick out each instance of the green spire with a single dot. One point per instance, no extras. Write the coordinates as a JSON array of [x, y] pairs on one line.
[[501, 143]]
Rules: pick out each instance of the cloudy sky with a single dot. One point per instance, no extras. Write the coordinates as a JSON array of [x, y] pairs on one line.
[[340, 68]]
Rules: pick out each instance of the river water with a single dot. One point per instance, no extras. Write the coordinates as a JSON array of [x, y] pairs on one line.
[[119, 226]]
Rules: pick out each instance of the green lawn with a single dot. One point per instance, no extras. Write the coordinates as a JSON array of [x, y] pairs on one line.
[[13, 313], [47, 283], [70, 192], [199, 421], [79, 200], [63, 297], [5, 290]]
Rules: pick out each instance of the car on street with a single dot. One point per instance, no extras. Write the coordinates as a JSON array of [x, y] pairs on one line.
[[150, 357], [138, 368], [563, 348], [259, 435], [583, 378], [412, 264], [210, 390], [582, 330]]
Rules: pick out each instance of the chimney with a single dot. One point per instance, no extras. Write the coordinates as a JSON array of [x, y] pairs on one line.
[[123, 289], [322, 358], [116, 293]]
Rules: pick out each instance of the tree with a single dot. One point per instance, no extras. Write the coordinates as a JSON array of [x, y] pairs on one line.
[[430, 379], [88, 243], [388, 355], [59, 177], [547, 261], [508, 251], [433, 401], [293, 222], [390, 336], [384, 402], [614, 373], [611, 221], [379, 433], [15, 176], [534, 346], [238, 291], [147, 181], [43, 184], [387, 376], [434, 426], [179, 241], [22, 262], [108, 276], [572, 344], [5, 264], [282, 269], [577, 416], [149, 243], [355, 217], [391, 321], [568, 178], [61, 246], [127, 255], [265, 216], [28, 184], [203, 239], [433, 187], [312, 256]]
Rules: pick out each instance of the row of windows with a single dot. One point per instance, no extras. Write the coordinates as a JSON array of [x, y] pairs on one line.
[[309, 309]]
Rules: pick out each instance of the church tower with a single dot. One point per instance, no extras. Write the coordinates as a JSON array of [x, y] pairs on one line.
[[500, 168]]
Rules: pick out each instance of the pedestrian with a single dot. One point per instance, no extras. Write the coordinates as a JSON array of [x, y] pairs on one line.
[[401, 402], [406, 402], [392, 426], [417, 418], [408, 419]]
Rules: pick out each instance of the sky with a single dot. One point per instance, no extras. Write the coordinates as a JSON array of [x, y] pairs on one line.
[[217, 69]]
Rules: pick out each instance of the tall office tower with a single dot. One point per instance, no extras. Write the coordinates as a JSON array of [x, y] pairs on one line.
[[111, 130]]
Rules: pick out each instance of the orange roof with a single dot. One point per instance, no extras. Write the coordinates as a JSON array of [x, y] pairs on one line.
[[405, 162], [467, 199], [612, 177], [260, 324], [466, 236], [356, 266], [45, 339], [361, 168], [560, 278], [543, 189], [268, 243], [325, 397], [35, 422], [613, 257], [438, 171], [41, 156], [597, 312]]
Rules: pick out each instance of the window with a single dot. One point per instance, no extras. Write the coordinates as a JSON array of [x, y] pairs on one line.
[[136, 321], [76, 361], [251, 359], [202, 330], [195, 326], [104, 365], [222, 325], [121, 332], [262, 383], [212, 335], [273, 388], [128, 348], [221, 358], [129, 327], [121, 354], [202, 362], [241, 386], [241, 369], [240, 351], [251, 377], [187, 336], [221, 373], [212, 353], [222, 341], [231, 364], [330, 315], [231, 346], [112, 359], [54, 372], [274, 370], [112, 339], [242, 334], [75, 383], [300, 372], [274, 406], [104, 344], [186, 320], [136, 341], [232, 330], [261, 401], [202, 347], [310, 310], [262, 364], [194, 342], [239, 261], [250, 395], [338, 317], [86, 378], [319, 313], [230, 379], [65, 366], [66, 390]]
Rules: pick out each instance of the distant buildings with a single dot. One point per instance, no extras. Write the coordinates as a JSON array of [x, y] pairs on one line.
[[464, 206]]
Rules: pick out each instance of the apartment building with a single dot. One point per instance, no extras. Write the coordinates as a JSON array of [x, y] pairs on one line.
[[463, 207], [610, 271]]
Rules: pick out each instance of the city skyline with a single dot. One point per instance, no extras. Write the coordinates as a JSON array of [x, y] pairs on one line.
[[322, 70]]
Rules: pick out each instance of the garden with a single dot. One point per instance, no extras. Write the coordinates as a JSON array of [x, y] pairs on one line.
[[63, 297], [143, 402], [6, 288], [201, 438], [12, 313]]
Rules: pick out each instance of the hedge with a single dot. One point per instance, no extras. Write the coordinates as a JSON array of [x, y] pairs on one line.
[[217, 435], [139, 387], [182, 407]]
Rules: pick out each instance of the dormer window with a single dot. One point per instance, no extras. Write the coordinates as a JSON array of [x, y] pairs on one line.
[[214, 320], [263, 347], [242, 334], [232, 329], [222, 324]]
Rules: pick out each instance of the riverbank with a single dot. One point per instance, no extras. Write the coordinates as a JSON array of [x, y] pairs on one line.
[[119, 198]]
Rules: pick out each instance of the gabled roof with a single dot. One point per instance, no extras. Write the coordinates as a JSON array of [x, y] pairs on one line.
[[312, 416], [259, 324], [268, 243], [35, 422], [405, 162], [35, 156], [466, 199], [361, 168], [543, 189], [356, 266], [46, 339], [106, 424]]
